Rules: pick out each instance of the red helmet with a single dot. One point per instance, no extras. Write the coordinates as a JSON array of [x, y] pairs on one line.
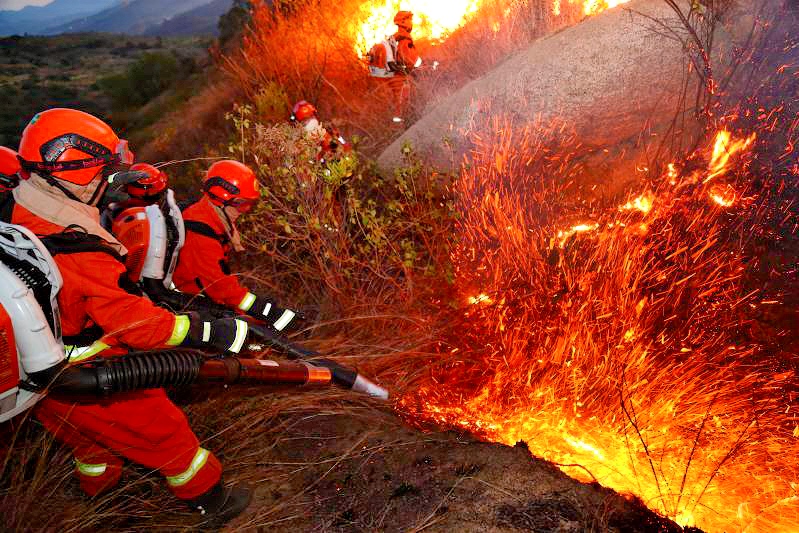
[[230, 183], [404, 19], [154, 184], [71, 145], [303, 111]]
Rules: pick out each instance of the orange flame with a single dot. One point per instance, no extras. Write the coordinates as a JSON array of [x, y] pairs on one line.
[[724, 148], [432, 21], [618, 358]]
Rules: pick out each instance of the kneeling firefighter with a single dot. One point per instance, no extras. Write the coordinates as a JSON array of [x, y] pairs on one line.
[[230, 189], [71, 157], [158, 238]]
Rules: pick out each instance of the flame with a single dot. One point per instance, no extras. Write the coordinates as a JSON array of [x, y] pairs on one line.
[[724, 147], [592, 7], [723, 196], [432, 21], [619, 357], [435, 21], [589, 7], [480, 298], [642, 203]]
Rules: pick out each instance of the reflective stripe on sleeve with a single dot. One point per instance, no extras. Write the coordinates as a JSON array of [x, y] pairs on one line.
[[206, 331], [284, 320], [267, 309], [90, 470], [179, 332], [241, 336], [80, 353], [196, 464], [247, 301]]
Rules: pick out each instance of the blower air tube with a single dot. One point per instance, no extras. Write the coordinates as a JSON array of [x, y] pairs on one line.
[[136, 371]]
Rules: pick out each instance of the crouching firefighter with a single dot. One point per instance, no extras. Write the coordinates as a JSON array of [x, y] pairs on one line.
[[191, 249], [71, 157]]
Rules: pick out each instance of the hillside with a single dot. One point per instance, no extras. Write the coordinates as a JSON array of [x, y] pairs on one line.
[[41, 72], [131, 17], [608, 78], [202, 20], [36, 19]]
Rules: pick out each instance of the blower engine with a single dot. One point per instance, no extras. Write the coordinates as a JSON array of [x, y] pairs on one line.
[[30, 336], [33, 361]]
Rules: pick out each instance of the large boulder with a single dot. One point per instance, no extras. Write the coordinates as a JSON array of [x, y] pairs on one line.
[[620, 79]]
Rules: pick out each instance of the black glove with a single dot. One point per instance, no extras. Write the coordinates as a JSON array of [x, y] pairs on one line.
[[277, 318], [229, 335]]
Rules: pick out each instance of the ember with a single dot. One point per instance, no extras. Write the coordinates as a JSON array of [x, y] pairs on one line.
[[616, 349]]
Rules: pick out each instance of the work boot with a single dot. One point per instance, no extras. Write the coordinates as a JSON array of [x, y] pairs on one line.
[[221, 504]]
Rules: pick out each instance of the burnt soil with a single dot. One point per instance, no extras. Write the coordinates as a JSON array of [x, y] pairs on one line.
[[367, 471]]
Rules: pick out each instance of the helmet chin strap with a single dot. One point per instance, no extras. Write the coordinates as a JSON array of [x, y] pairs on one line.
[[95, 198]]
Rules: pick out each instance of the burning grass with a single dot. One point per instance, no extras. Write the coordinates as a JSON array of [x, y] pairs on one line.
[[620, 341]]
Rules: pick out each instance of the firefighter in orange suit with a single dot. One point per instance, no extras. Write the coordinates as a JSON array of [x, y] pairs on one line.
[[71, 157], [230, 189], [407, 58]]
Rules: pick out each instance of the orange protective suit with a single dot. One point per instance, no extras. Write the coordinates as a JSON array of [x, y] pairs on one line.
[[203, 263], [145, 427], [400, 84]]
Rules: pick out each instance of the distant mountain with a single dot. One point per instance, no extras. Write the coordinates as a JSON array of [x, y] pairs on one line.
[[129, 16], [201, 20], [35, 19]]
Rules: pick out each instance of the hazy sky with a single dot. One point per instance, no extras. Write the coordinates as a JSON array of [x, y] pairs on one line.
[[19, 4]]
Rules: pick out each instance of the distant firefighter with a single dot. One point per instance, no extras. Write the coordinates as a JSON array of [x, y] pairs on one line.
[[393, 61], [331, 143]]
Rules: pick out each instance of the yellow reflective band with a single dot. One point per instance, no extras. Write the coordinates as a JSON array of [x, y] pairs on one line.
[[247, 301], [80, 353], [196, 464], [241, 336], [180, 330], [91, 470], [284, 320]]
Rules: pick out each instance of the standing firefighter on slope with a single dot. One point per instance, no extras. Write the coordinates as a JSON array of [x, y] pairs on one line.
[[230, 189], [393, 61], [71, 157]]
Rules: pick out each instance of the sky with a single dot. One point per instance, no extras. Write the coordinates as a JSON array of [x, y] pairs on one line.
[[19, 4]]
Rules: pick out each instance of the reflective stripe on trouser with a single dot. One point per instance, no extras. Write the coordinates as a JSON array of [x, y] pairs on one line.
[[144, 427], [199, 460], [97, 469]]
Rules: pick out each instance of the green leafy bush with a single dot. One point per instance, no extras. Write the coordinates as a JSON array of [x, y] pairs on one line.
[[337, 225], [145, 79]]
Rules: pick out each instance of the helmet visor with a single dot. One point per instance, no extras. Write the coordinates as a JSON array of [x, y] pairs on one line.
[[243, 205], [123, 153]]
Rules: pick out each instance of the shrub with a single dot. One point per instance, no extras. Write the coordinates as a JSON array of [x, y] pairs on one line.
[[336, 230], [145, 79]]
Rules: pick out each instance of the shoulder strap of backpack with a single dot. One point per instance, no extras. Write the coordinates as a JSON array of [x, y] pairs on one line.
[[7, 204], [201, 228], [74, 241]]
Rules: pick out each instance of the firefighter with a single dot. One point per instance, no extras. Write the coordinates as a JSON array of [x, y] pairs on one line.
[[407, 59], [71, 156], [230, 189], [331, 142]]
